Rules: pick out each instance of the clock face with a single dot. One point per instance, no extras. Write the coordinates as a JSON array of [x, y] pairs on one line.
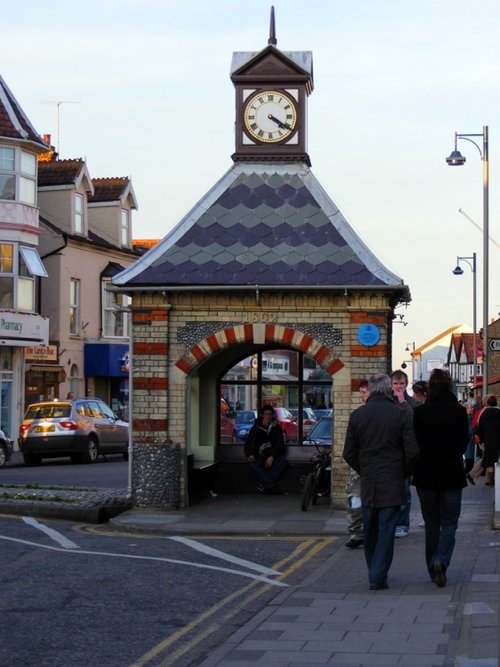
[[270, 116]]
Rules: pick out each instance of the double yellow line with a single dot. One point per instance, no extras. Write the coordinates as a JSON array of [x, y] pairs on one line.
[[294, 561]]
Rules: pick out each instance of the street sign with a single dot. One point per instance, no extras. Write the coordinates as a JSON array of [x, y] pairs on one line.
[[494, 344]]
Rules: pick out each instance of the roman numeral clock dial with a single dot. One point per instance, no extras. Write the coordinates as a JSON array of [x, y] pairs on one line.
[[270, 116]]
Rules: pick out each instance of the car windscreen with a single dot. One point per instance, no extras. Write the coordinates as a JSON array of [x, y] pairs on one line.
[[48, 411], [245, 417], [323, 429]]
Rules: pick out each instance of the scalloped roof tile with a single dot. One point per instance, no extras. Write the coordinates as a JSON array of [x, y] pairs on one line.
[[271, 225]]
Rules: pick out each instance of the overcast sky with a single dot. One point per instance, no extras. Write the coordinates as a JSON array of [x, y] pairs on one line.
[[144, 91]]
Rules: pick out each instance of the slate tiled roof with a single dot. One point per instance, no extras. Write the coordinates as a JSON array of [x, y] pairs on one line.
[[59, 172], [108, 189], [14, 124], [262, 224], [92, 240]]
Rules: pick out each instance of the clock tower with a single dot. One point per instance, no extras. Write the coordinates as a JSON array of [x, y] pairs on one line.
[[272, 88]]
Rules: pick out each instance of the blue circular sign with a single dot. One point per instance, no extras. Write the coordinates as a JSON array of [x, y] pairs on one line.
[[368, 334]]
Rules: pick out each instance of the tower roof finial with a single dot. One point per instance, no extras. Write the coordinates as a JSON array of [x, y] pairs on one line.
[[272, 29]]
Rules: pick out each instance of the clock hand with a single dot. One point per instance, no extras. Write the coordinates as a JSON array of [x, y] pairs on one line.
[[278, 122]]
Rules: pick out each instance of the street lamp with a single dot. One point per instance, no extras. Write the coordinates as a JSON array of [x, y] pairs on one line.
[[458, 271], [456, 159], [411, 349]]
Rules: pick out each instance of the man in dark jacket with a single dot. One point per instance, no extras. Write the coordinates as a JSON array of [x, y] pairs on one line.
[[265, 451], [380, 445]]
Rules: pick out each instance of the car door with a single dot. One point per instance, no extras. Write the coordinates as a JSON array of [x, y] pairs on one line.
[[116, 430], [102, 424]]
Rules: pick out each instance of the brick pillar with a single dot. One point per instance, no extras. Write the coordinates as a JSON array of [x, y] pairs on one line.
[[156, 462]]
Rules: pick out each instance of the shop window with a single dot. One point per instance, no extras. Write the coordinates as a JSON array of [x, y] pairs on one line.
[[290, 381]]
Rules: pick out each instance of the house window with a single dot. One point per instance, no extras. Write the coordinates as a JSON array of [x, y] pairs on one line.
[[17, 276], [125, 227], [74, 307], [7, 173], [27, 176], [6, 275], [115, 317], [30, 265], [27, 180], [79, 228]]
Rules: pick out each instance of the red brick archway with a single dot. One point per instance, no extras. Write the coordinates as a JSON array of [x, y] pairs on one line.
[[259, 334]]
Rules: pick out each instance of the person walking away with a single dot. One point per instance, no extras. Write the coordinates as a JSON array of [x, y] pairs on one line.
[[380, 445], [488, 430], [420, 390], [478, 468], [265, 451], [353, 490], [442, 432], [399, 383]]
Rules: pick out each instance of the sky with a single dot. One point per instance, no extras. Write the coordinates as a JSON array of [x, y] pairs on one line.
[[141, 88]]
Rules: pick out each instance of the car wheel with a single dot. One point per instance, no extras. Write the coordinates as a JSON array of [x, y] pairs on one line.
[[31, 460], [3, 456], [309, 488], [92, 451]]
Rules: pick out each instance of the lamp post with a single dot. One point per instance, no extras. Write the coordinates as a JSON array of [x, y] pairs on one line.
[[456, 159], [458, 271], [411, 349]]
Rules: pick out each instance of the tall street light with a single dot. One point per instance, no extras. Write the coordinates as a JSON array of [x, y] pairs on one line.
[[458, 271], [412, 349], [456, 159]]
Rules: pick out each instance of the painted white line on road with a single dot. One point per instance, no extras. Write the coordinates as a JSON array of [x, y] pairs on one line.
[[201, 566], [209, 551], [56, 536]]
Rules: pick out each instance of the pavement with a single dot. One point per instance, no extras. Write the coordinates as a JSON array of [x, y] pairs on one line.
[[331, 617]]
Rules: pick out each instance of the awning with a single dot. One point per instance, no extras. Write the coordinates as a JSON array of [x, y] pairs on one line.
[[48, 368]]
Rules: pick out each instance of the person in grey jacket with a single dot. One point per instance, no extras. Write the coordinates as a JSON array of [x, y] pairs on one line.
[[380, 445]]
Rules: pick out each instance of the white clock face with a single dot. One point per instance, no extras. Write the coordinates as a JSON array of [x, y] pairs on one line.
[[270, 116]]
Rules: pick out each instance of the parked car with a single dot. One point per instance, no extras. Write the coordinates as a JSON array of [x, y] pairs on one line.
[[227, 430], [308, 418], [323, 412], [244, 421], [80, 428], [290, 427], [321, 434], [5, 449]]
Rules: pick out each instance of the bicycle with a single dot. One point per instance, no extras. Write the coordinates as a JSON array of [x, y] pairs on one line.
[[319, 480]]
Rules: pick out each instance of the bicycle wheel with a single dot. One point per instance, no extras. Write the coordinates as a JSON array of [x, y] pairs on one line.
[[309, 490]]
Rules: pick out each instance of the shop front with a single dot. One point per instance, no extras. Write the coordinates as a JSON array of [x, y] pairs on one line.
[[106, 374], [18, 331]]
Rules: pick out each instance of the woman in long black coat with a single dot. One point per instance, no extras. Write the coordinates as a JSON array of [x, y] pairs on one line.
[[442, 432]]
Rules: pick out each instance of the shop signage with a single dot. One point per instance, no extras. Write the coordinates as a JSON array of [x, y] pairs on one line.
[[494, 344], [23, 329], [41, 353]]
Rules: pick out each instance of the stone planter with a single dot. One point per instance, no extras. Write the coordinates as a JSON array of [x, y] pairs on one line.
[[156, 475]]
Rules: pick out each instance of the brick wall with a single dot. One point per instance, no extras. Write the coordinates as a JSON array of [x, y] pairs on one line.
[[174, 333]]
